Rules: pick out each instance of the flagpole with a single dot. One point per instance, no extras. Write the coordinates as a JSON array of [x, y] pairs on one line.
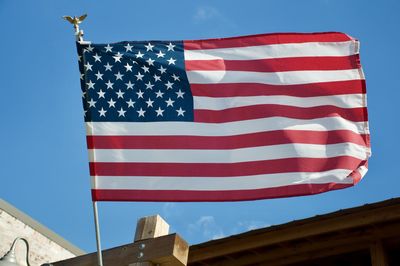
[[79, 38], [97, 228]]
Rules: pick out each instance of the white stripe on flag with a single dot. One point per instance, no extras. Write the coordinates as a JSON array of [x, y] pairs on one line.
[[343, 101], [362, 170], [229, 156], [221, 129], [215, 184], [274, 51], [273, 78]]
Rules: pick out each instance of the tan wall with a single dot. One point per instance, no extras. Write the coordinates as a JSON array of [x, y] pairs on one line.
[[43, 250]]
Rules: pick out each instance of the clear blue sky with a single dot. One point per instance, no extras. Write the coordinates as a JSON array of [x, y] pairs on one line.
[[44, 169]]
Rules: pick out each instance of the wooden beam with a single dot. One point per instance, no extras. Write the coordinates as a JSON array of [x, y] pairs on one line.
[[264, 237], [321, 246], [169, 250], [309, 257], [151, 227], [378, 254], [299, 252]]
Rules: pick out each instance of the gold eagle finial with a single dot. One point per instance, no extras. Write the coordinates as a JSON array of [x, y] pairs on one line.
[[76, 21]]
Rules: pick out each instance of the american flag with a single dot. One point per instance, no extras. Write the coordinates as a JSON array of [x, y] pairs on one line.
[[243, 118]]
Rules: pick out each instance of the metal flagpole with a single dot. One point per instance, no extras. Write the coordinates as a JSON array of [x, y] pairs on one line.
[[79, 38], [97, 227]]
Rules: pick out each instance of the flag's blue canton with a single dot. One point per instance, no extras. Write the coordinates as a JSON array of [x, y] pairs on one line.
[[135, 81]]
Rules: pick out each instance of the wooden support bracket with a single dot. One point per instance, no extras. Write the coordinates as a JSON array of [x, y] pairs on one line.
[[151, 247], [169, 250]]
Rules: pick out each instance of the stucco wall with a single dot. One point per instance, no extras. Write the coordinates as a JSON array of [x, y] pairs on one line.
[[42, 249]]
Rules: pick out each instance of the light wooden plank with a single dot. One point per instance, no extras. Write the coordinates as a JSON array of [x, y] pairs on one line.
[[151, 227], [169, 250], [378, 254]]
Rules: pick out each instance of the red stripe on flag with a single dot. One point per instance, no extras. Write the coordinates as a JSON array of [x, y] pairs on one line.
[[277, 64], [298, 90], [276, 110], [265, 39], [230, 195], [224, 169], [226, 142]]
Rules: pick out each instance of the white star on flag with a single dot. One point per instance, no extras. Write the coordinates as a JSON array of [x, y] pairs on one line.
[[179, 94], [149, 86], [170, 47], [118, 76], [169, 85], [97, 58], [140, 94], [99, 75], [181, 112], [128, 48], [117, 57], [102, 112], [139, 55], [92, 103], [139, 76], [88, 66], [129, 85], [149, 103], [101, 94], [160, 54], [108, 48], [120, 94], [108, 67], [109, 85], [141, 112], [121, 112], [149, 47], [171, 61], [111, 103], [130, 103], [170, 102], [128, 67], [90, 84], [159, 111]]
